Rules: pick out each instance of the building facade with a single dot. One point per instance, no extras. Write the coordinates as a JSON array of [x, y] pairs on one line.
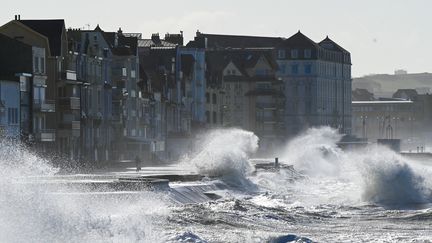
[[388, 119], [317, 79]]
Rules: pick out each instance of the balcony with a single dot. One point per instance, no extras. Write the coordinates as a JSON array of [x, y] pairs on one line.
[[39, 80], [69, 103], [145, 119], [267, 120], [71, 125], [70, 128], [44, 105], [45, 135], [69, 75], [268, 105]]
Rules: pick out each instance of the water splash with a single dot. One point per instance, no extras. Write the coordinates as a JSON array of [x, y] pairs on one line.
[[37, 214], [374, 174], [224, 153]]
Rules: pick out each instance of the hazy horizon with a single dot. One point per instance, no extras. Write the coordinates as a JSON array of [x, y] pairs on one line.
[[381, 36]]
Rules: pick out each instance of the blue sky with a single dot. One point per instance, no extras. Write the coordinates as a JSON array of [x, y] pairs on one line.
[[382, 35]]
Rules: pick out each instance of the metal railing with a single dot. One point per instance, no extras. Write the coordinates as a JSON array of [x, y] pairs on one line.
[[44, 105]]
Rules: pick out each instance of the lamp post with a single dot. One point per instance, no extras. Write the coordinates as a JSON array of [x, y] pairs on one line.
[[364, 132]]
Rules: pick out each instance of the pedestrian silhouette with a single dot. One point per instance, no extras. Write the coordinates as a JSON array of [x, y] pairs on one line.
[[137, 163]]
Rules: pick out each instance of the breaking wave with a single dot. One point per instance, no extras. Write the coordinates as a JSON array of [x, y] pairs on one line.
[[224, 153], [37, 214], [374, 174]]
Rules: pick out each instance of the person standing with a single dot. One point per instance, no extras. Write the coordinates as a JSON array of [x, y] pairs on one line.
[[137, 163]]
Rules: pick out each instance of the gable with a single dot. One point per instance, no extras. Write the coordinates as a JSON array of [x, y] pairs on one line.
[[24, 34], [232, 70]]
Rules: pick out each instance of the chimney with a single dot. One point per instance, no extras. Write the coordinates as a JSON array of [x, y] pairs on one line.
[[155, 38], [120, 32], [19, 17], [16, 17], [175, 38]]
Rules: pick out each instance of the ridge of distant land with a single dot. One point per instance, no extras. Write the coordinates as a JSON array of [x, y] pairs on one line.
[[386, 84]]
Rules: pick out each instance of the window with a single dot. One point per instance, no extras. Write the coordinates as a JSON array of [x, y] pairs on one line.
[[214, 117], [294, 53], [307, 53], [281, 54], [36, 64], [308, 69], [42, 60], [207, 98], [294, 69], [282, 68], [99, 98], [207, 114], [13, 116], [214, 99]]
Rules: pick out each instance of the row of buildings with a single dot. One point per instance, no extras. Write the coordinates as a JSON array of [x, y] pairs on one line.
[[98, 96], [405, 116]]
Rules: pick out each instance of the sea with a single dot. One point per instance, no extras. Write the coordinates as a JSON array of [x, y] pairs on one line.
[[320, 193]]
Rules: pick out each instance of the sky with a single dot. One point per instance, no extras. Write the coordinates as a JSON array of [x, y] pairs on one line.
[[382, 35]]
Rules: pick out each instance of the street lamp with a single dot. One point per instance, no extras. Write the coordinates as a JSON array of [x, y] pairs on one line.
[[364, 118]]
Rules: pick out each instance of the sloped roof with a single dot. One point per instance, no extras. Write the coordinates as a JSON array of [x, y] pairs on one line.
[[234, 41], [151, 43], [329, 44], [406, 93], [299, 40], [51, 28], [362, 95], [126, 45]]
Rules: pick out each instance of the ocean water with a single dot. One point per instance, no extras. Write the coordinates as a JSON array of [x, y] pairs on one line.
[[368, 195]]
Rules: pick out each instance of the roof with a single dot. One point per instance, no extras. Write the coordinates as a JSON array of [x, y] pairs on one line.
[[300, 40], [405, 93], [52, 29], [151, 43], [234, 41], [362, 95], [329, 44], [16, 57], [383, 102], [126, 45]]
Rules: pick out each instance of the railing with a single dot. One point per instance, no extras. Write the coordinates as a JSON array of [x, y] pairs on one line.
[[69, 75], [39, 81], [45, 135], [71, 125], [44, 105], [72, 103], [268, 120], [268, 105]]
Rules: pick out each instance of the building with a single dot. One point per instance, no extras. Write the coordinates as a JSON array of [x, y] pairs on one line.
[[388, 119], [243, 91], [317, 78], [37, 118], [15, 76], [362, 95]]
